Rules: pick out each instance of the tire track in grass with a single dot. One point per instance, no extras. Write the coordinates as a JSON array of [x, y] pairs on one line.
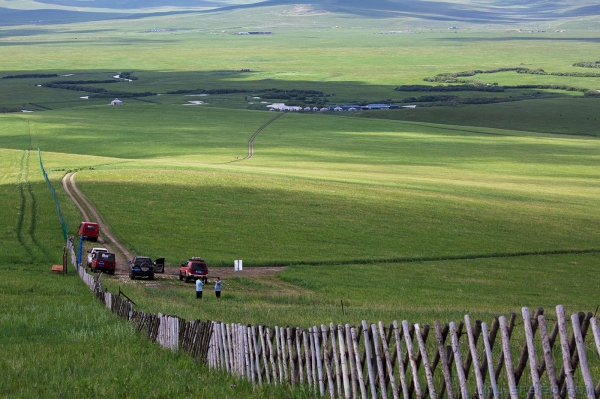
[[254, 136], [28, 206], [23, 204], [33, 211]]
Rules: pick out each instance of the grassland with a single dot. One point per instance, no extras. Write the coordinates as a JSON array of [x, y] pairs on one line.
[[423, 214]]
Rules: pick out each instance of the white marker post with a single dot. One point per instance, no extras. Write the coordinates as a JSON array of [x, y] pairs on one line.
[[237, 265]]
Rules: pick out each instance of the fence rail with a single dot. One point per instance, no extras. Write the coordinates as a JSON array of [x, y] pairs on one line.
[[456, 360]]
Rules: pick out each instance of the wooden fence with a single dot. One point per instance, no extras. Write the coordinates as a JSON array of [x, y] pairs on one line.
[[409, 360], [518, 357]]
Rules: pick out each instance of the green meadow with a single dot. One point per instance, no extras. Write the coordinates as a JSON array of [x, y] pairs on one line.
[[420, 214]]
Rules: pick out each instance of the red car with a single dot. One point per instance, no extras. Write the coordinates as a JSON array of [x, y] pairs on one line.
[[103, 261], [89, 231], [193, 269]]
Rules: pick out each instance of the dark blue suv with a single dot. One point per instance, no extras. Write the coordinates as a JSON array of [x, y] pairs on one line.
[[141, 266]]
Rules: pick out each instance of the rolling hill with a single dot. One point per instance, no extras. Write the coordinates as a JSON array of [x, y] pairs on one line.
[[462, 11]]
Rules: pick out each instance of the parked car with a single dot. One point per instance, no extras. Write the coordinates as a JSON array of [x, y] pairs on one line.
[[88, 231], [141, 266], [91, 253], [104, 261], [193, 269]]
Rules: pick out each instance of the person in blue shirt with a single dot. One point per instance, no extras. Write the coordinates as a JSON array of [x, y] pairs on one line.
[[218, 287], [199, 285]]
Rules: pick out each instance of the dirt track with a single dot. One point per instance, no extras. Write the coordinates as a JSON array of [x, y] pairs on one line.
[[123, 255]]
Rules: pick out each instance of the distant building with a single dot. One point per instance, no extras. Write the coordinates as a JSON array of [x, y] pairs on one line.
[[254, 33], [343, 107], [116, 101], [283, 107], [378, 106]]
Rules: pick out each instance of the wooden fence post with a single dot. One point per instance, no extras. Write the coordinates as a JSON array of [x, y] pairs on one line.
[[379, 361], [529, 337], [388, 361], [317, 351], [566, 353], [400, 359], [327, 362], [336, 359], [411, 358], [460, 371], [283, 354], [369, 359], [583, 364], [308, 358], [359, 367], [474, 357], [488, 357], [547, 349], [256, 356], [352, 361], [290, 345], [298, 333], [425, 360], [271, 355], [344, 362], [596, 331], [444, 360], [261, 333], [512, 385]]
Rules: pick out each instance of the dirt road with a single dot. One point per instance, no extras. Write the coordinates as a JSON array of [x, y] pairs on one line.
[[123, 255]]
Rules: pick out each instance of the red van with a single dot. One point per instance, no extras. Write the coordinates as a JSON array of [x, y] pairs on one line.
[[88, 231], [103, 261]]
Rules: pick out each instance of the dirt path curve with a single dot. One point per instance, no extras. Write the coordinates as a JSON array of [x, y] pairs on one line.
[[85, 207], [253, 137], [122, 254]]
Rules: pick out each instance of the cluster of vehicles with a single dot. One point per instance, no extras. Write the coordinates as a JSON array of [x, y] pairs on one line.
[[101, 260]]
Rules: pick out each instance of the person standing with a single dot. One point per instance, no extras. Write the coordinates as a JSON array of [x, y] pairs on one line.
[[199, 285], [218, 287]]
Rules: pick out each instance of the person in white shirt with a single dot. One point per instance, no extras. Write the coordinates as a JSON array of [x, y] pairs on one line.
[[199, 285]]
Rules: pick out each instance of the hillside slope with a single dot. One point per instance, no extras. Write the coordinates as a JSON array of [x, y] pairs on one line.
[[463, 11]]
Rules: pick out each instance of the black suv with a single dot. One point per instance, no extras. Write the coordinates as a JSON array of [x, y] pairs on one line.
[[141, 266]]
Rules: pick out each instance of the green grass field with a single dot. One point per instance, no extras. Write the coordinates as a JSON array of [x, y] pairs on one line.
[[419, 214]]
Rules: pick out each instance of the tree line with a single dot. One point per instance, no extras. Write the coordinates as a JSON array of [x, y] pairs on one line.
[[31, 75], [587, 64], [453, 77]]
